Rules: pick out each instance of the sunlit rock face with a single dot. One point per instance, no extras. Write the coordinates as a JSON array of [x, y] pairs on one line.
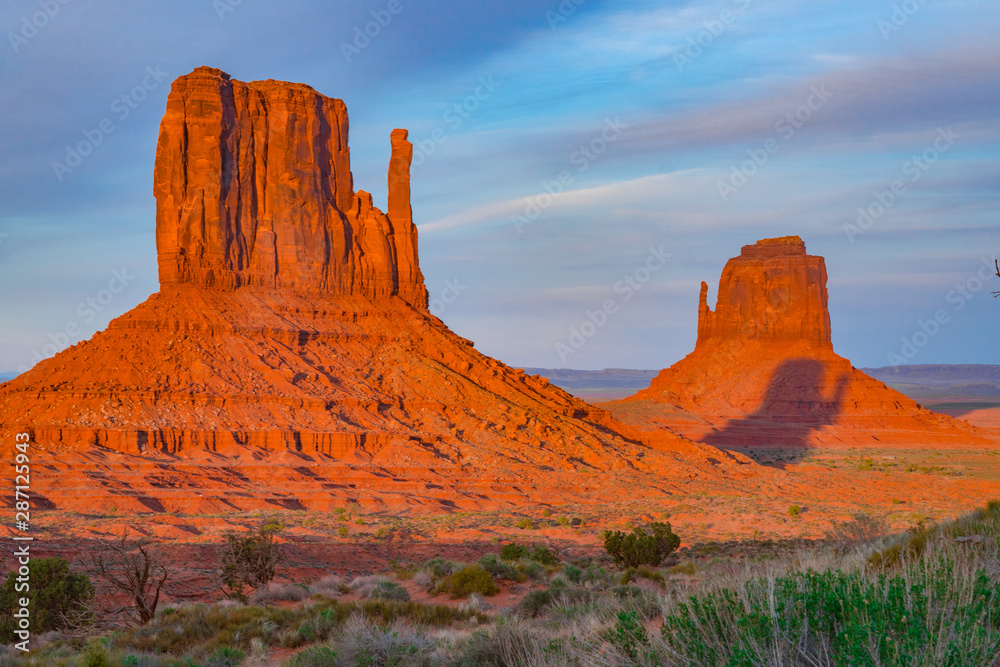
[[763, 371]]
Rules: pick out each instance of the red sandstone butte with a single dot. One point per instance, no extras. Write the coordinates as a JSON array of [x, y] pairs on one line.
[[289, 358], [763, 371]]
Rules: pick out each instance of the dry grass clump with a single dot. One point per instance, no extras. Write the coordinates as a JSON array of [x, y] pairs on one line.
[[330, 586], [275, 592]]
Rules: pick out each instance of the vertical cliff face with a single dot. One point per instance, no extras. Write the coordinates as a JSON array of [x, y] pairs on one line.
[[253, 188], [773, 291]]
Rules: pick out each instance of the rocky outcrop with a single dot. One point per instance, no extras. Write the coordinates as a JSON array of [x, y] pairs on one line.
[[253, 187], [763, 371], [291, 337], [773, 291]]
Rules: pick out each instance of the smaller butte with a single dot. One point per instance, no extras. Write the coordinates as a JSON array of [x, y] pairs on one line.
[[763, 371]]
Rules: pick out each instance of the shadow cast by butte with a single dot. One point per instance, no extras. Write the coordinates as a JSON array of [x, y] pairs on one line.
[[794, 407]]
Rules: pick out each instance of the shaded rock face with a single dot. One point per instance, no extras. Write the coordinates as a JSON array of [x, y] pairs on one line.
[[773, 291], [764, 373], [253, 186], [289, 358]]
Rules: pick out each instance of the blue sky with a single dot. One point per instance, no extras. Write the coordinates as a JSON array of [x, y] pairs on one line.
[[688, 128]]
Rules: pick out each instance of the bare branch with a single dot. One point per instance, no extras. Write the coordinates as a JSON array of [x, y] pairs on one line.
[[136, 568]]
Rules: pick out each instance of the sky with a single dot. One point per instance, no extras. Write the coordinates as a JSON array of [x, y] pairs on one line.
[[568, 155]]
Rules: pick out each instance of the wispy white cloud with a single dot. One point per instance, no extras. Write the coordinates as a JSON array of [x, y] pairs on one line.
[[657, 185]]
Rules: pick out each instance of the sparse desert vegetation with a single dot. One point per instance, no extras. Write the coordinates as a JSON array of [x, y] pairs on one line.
[[926, 596]]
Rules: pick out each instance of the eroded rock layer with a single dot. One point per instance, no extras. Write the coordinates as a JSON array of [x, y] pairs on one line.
[[289, 358], [764, 372]]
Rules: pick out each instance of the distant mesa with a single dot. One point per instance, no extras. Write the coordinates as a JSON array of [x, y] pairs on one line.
[[763, 371], [289, 358]]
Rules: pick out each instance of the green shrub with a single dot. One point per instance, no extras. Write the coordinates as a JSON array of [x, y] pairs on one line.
[[628, 635], [573, 573], [513, 551], [534, 603], [543, 555], [342, 531], [794, 510], [595, 574], [927, 616], [526, 524], [390, 590], [640, 547], [687, 568], [226, 657], [440, 567], [316, 656], [498, 569], [635, 599], [533, 571], [249, 560], [508, 642], [55, 590], [480, 649], [468, 580], [96, 655], [626, 592], [563, 521], [546, 512], [632, 573]]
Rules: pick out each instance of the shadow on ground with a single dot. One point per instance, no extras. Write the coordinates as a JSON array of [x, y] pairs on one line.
[[793, 408]]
